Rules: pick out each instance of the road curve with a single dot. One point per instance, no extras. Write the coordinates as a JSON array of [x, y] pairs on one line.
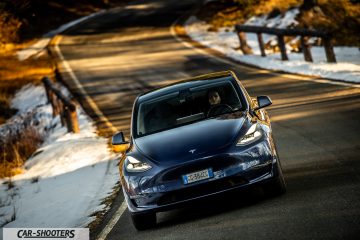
[[130, 50]]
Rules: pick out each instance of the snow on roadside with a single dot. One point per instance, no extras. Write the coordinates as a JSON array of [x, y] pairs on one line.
[[41, 44], [226, 41], [67, 178], [32, 111]]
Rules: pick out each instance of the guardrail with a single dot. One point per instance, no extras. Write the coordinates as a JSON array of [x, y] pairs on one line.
[[281, 33], [62, 106]]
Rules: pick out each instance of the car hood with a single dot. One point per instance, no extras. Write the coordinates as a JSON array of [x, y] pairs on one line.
[[191, 141]]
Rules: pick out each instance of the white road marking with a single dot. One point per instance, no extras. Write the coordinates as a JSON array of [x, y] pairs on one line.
[[287, 75], [101, 116], [78, 85], [112, 222]]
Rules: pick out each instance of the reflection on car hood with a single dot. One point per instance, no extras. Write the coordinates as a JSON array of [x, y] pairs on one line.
[[191, 141]]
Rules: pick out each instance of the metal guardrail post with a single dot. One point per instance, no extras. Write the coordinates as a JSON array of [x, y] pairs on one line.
[[50, 96], [261, 44], [329, 50], [62, 113], [281, 43], [306, 49], [61, 105], [245, 48], [72, 120], [281, 33]]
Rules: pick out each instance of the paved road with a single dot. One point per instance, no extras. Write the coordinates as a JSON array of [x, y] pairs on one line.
[[316, 125]]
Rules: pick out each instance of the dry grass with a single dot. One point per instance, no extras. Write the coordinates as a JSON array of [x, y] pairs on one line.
[[14, 75], [23, 20], [16, 149], [11, 69], [228, 13], [266, 7], [342, 18]]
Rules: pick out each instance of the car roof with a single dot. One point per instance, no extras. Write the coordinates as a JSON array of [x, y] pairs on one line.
[[188, 83]]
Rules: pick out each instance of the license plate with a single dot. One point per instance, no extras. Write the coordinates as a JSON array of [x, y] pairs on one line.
[[197, 176]]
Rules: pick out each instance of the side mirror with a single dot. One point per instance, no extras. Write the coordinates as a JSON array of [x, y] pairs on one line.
[[263, 101], [118, 143]]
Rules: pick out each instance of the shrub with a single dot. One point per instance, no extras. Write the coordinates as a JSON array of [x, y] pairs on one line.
[[16, 148]]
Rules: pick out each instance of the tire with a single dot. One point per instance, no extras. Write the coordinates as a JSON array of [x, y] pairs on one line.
[[143, 221], [276, 186]]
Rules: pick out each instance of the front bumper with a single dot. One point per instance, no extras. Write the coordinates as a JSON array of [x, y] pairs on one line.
[[232, 170]]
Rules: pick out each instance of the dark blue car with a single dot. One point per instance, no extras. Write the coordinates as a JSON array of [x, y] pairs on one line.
[[193, 139]]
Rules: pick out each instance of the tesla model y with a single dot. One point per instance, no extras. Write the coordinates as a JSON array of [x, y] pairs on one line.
[[196, 138]]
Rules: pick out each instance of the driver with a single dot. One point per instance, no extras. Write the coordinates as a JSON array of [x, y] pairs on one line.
[[214, 98], [216, 108]]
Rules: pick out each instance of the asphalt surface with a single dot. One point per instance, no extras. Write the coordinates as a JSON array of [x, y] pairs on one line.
[[316, 125]]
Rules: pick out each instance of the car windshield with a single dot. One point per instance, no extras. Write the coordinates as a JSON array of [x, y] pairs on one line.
[[185, 107]]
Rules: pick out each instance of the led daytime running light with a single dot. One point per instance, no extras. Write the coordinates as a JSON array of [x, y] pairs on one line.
[[134, 165], [250, 136]]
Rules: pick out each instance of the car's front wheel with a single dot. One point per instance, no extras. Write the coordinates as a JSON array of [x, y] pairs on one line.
[[143, 221]]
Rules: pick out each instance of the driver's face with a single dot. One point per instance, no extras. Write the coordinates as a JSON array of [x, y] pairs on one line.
[[214, 98]]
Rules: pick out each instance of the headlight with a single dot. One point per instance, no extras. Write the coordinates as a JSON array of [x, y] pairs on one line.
[[134, 165], [250, 136]]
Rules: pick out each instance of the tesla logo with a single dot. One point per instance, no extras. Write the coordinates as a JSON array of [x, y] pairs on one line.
[[192, 151]]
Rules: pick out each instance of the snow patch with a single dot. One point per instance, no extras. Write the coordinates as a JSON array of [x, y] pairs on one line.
[[225, 40], [29, 97], [65, 181]]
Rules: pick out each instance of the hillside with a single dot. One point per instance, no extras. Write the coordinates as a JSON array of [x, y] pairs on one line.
[[341, 18], [22, 20]]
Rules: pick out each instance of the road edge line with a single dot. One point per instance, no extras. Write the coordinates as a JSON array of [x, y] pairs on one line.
[[78, 85], [114, 219]]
